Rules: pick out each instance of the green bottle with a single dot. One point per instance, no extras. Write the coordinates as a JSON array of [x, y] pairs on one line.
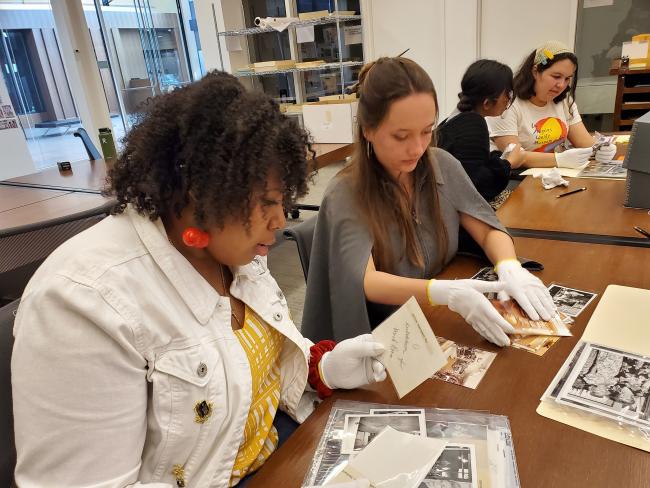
[[108, 145]]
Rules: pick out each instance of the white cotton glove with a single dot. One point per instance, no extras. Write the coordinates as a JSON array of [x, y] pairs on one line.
[[605, 153], [552, 178], [466, 298], [573, 158], [352, 363], [527, 289]]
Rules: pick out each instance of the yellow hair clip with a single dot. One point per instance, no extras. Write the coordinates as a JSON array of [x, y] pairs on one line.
[[548, 54]]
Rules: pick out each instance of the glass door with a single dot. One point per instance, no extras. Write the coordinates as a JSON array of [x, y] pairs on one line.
[[145, 40]]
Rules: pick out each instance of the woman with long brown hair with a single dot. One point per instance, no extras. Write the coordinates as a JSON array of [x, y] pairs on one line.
[[390, 221]]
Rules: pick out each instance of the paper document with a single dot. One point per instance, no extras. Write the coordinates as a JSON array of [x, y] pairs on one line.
[[304, 34], [412, 351], [393, 460]]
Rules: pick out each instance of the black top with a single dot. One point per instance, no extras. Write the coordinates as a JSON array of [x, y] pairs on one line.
[[467, 138]]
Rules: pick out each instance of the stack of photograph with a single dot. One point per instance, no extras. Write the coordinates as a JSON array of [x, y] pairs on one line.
[[605, 383], [479, 451]]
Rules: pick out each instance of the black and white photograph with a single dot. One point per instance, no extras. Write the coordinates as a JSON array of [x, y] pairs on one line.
[[486, 274], [397, 411], [359, 430], [610, 383], [456, 430], [456, 467], [7, 111], [569, 300]]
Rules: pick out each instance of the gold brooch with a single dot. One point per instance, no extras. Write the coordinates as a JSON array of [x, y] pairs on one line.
[[203, 410]]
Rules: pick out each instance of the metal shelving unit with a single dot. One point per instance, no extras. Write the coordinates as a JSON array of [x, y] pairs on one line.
[[301, 81], [332, 19], [342, 64]]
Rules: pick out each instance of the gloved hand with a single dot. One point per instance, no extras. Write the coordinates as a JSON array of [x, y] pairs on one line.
[[352, 363], [605, 153], [466, 298], [527, 289], [573, 158]]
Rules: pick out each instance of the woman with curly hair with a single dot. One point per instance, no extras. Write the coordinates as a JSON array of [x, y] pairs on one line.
[[544, 117], [155, 349]]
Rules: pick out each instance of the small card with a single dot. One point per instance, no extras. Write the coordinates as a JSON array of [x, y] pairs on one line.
[[412, 352], [569, 300], [393, 460]]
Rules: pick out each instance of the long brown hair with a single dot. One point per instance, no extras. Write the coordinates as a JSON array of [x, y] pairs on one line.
[[380, 196]]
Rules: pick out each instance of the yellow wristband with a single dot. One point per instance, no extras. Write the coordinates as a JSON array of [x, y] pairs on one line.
[[431, 302], [496, 266]]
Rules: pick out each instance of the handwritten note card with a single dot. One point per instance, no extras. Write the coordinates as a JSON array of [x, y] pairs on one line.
[[412, 352]]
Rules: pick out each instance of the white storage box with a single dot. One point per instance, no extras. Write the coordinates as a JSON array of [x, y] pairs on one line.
[[331, 121]]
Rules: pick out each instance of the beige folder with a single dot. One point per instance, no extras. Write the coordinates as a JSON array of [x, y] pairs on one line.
[[620, 321]]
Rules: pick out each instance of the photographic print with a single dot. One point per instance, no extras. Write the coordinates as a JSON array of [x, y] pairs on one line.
[[569, 300], [486, 274], [515, 315], [455, 468], [610, 169], [560, 378], [359, 430], [537, 345], [465, 366], [7, 111], [609, 383], [396, 411]]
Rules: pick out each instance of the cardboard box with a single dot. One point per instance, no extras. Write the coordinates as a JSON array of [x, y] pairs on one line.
[[331, 121]]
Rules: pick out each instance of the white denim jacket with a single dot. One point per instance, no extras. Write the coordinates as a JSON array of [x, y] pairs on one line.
[[118, 338]]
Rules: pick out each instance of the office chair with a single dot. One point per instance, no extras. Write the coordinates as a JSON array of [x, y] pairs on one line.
[[91, 150], [303, 234], [7, 441], [24, 248]]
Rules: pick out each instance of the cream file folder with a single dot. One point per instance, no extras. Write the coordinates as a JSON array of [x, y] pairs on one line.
[[620, 321]]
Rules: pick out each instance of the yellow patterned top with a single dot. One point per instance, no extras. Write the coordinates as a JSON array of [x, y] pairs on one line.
[[262, 345]]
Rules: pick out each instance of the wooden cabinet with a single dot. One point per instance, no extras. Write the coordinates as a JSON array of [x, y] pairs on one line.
[[632, 94]]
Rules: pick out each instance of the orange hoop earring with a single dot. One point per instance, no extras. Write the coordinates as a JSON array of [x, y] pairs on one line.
[[194, 237]]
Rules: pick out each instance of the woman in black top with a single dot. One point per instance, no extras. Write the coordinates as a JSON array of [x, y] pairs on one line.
[[486, 91]]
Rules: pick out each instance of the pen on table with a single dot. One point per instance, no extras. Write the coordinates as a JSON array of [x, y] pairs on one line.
[[571, 192], [642, 231]]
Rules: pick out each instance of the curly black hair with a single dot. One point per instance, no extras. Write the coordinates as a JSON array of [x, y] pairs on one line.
[[215, 141]]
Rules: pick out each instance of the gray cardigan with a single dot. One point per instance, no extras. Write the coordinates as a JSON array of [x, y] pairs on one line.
[[335, 304]]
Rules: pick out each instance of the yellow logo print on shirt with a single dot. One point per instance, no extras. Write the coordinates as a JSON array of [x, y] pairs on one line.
[[549, 132]]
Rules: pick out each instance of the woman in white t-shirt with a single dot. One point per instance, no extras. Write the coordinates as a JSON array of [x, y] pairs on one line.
[[544, 117]]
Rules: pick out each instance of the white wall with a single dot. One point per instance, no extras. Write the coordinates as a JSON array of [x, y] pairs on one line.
[[511, 29], [441, 36]]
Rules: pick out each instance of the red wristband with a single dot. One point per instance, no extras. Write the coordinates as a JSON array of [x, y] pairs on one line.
[[315, 355]]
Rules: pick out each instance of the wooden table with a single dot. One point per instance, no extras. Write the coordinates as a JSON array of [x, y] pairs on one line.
[[331, 153], [43, 208], [85, 176], [12, 197], [90, 176], [549, 454], [596, 215]]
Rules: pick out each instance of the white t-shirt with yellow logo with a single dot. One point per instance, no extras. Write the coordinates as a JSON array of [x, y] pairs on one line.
[[539, 129]]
